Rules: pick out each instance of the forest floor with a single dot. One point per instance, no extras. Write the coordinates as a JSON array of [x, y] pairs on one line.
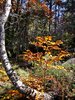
[[8, 92]]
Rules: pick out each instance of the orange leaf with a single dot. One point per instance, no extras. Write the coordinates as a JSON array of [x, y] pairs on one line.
[[58, 42], [48, 38], [55, 48]]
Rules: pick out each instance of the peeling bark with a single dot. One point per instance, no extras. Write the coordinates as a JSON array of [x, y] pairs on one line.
[[10, 72]]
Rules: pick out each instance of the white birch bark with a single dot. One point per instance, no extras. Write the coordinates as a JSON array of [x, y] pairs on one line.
[[10, 72]]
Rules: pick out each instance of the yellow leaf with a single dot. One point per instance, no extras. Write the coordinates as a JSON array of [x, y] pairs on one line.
[[48, 38], [52, 43], [2, 72]]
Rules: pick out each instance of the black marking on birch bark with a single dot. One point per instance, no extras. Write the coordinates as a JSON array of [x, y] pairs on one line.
[[0, 29], [12, 74], [8, 5]]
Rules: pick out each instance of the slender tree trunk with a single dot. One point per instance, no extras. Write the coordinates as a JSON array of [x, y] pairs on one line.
[[10, 72]]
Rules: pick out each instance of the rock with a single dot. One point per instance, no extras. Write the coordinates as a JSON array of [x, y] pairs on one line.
[[69, 62]]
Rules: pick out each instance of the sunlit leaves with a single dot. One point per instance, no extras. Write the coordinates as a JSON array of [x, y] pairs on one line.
[[33, 82], [12, 95], [48, 38], [44, 38], [42, 41], [60, 67], [63, 54], [14, 92], [58, 42], [44, 61], [2, 72], [49, 46], [3, 75], [29, 56], [54, 47]]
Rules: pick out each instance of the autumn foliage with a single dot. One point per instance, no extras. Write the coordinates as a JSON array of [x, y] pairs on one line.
[[51, 49], [44, 61], [37, 6]]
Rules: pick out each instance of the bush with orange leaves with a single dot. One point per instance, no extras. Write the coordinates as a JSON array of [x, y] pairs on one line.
[[46, 74], [53, 52], [45, 61]]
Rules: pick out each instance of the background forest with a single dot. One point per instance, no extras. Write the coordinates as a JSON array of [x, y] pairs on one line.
[[40, 43]]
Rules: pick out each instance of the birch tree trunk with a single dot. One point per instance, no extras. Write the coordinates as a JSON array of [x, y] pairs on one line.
[[10, 72]]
